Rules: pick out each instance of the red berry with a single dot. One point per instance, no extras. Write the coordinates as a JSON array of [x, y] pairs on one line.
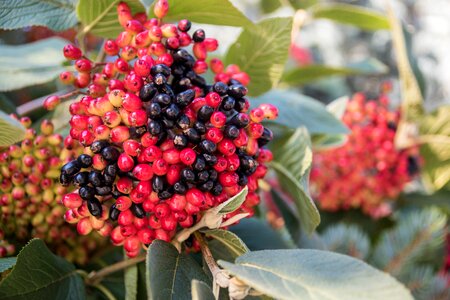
[[143, 172], [218, 119], [160, 167], [188, 156], [124, 185], [145, 235], [173, 174], [51, 102], [131, 147], [211, 44], [110, 47], [123, 203], [172, 156], [214, 134], [152, 153], [131, 102], [83, 65], [195, 197], [162, 210], [125, 162], [120, 134], [226, 147], [125, 218], [161, 8], [72, 200], [228, 179], [142, 68], [71, 52]]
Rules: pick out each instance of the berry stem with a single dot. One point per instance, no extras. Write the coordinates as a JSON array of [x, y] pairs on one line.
[[95, 277], [105, 291], [101, 54]]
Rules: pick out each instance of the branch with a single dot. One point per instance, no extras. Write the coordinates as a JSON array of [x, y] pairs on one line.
[[96, 276]]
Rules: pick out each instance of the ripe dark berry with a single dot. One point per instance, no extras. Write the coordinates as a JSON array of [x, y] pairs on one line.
[[98, 146], [217, 189], [81, 179], [187, 175], [111, 170], [154, 110], [199, 164], [180, 188], [159, 79], [220, 88], [243, 180], [84, 160], [103, 190], [180, 141], [192, 135], [227, 103], [231, 131], [165, 194], [183, 122], [154, 127], [110, 153], [162, 99], [168, 124], [157, 184], [137, 210], [199, 36], [137, 132], [200, 127], [86, 192], [172, 112], [95, 207], [70, 169], [108, 180], [113, 213], [208, 146], [207, 186], [205, 112], [96, 178], [184, 98], [237, 90], [266, 137], [160, 69], [241, 120], [202, 176]]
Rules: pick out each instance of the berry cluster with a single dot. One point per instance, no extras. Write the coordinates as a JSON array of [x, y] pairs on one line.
[[161, 145], [368, 170], [31, 195]]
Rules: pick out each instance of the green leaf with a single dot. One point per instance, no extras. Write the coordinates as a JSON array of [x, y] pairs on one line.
[[338, 106], [7, 105], [39, 274], [7, 263], [291, 220], [351, 15], [435, 149], [314, 274], [229, 240], [233, 203], [417, 235], [131, 282], [169, 273], [438, 199], [201, 291], [100, 17], [297, 110], [258, 235], [30, 64], [56, 14], [216, 12], [292, 163], [262, 51], [307, 74], [11, 131], [346, 239], [269, 6]]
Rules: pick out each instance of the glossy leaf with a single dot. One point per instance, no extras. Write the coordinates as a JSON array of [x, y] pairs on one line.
[[169, 273], [11, 131], [30, 64], [100, 17], [228, 240], [311, 73], [297, 110], [351, 15], [314, 274], [56, 14], [233, 203], [201, 291], [262, 51], [292, 163], [39, 274], [7, 263], [216, 12]]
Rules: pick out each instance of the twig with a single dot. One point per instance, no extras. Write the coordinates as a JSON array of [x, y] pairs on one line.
[[105, 291], [96, 276]]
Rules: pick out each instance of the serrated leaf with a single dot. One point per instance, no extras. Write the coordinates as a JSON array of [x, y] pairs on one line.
[[169, 273], [56, 14], [216, 12], [30, 64], [417, 234], [233, 203], [7, 263], [39, 274], [346, 239], [358, 16], [435, 149], [261, 51], [297, 110], [314, 274], [229, 240], [258, 235], [311, 73], [201, 291], [292, 164], [100, 17], [11, 131]]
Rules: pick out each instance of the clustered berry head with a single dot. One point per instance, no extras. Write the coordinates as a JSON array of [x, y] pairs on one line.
[[161, 145], [31, 194], [368, 171]]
